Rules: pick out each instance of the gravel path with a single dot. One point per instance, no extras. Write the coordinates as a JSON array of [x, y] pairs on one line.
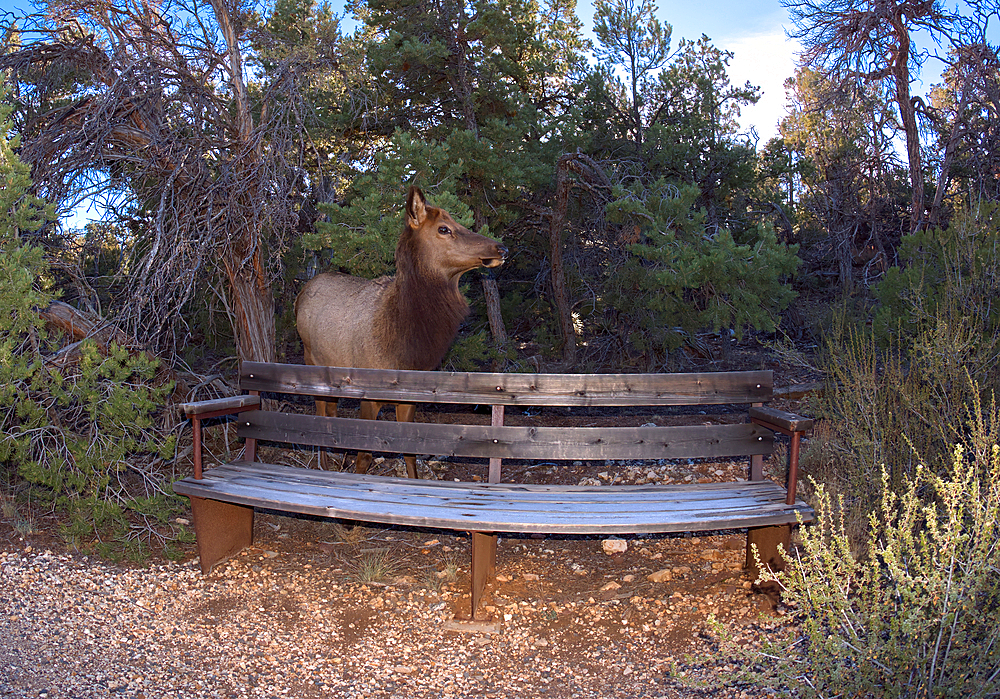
[[77, 627]]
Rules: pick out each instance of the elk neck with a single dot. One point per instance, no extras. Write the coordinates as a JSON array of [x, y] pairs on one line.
[[422, 312]]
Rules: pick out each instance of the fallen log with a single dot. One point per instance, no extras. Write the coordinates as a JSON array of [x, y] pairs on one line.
[[800, 390], [81, 325]]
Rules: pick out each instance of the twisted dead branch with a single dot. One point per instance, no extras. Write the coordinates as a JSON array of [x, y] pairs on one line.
[[145, 107]]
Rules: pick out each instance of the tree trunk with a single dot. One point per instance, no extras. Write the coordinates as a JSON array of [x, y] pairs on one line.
[[252, 310], [559, 293], [908, 115], [949, 156], [251, 300], [497, 327]]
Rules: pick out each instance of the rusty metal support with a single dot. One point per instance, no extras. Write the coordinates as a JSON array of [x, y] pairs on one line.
[[196, 440], [496, 421], [222, 530], [793, 467], [757, 462], [250, 451], [407, 412], [484, 560], [767, 539]]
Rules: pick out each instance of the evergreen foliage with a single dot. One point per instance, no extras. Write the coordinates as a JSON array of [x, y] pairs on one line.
[[682, 278], [360, 235], [897, 391], [948, 273], [78, 427]]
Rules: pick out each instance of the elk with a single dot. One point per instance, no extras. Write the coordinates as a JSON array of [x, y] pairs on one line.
[[403, 322]]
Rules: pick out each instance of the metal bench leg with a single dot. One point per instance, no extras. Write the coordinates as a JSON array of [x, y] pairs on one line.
[[767, 540], [484, 563], [223, 530]]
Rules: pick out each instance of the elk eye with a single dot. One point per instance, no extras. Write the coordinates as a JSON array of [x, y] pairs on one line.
[[444, 230]]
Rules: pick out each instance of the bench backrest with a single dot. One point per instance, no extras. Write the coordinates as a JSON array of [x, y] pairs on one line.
[[505, 441], [510, 389]]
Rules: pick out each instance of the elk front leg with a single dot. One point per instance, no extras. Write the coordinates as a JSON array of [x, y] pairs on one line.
[[405, 412], [369, 411]]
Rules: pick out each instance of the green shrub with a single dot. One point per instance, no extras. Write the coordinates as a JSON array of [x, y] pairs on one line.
[[915, 614], [682, 278], [896, 392], [78, 427], [83, 435], [948, 275]]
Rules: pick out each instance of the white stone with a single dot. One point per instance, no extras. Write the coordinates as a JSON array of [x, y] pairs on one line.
[[613, 546]]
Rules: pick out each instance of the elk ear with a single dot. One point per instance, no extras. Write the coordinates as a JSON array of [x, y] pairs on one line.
[[416, 208]]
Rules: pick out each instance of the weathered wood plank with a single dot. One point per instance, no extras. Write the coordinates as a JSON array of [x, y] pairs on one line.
[[391, 494], [508, 442], [220, 405], [709, 388], [780, 419], [484, 507], [305, 477]]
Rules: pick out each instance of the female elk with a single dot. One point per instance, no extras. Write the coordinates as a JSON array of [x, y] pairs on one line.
[[402, 322]]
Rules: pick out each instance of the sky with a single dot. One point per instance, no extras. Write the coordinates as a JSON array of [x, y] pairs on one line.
[[754, 31]]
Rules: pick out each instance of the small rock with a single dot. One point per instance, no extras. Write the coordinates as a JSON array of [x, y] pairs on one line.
[[610, 586], [461, 626], [628, 578], [530, 576], [660, 576], [613, 546]]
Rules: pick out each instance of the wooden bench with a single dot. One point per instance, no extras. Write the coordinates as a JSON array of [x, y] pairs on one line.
[[223, 498]]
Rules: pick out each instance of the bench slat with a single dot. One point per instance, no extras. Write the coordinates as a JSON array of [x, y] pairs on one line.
[[509, 508], [530, 497], [508, 442], [709, 388], [313, 477]]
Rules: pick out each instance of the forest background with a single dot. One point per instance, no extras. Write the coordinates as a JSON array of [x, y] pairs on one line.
[[236, 149]]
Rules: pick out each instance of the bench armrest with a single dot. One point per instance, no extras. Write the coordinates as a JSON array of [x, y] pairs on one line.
[[220, 406], [780, 420], [217, 407], [790, 424]]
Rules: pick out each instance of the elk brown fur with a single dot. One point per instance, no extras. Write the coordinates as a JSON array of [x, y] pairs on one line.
[[403, 322]]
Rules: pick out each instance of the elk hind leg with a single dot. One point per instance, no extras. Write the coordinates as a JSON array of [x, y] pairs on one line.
[[405, 412], [369, 411], [326, 408]]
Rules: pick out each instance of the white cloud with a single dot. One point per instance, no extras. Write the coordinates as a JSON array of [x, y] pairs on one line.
[[766, 60]]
